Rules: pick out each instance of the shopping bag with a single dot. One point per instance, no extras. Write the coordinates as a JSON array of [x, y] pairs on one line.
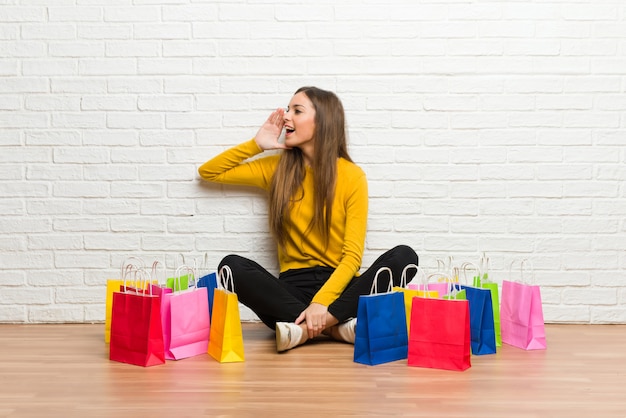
[[483, 280], [440, 287], [434, 282], [163, 292], [136, 334], [453, 289], [455, 292], [495, 304], [177, 283], [440, 334], [187, 323], [481, 316], [157, 285], [409, 294], [481, 320], [113, 285], [209, 281], [482, 272], [226, 337], [381, 333], [438, 281], [152, 285], [521, 314]]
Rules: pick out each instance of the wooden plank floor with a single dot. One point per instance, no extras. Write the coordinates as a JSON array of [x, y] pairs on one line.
[[64, 371]]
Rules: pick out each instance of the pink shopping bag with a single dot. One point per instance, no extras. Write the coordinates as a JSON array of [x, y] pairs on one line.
[[521, 315], [186, 324], [435, 282]]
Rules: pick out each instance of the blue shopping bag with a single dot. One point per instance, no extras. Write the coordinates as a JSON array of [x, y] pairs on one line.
[[381, 331], [210, 282], [482, 328]]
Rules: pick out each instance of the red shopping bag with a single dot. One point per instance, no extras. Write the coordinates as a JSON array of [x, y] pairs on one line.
[[113, 285], [440, 334], [521, 314], [136, 334]]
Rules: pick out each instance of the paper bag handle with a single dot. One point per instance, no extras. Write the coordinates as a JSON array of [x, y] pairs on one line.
[[452, 290], [190, 274], [403, 279], [523, 262], [374, 288], [483, 265], [143, 281], [125, 272], [202, 266], [126, 263], [445, 266], [225, 277], [154, 276], [442, 278], [465, 267], [529, 269]]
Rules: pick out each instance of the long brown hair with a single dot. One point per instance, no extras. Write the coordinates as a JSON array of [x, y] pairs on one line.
[[330, 143]]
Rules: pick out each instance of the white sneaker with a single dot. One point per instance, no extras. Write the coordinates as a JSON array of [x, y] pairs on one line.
[[347, 330], [288, 335]]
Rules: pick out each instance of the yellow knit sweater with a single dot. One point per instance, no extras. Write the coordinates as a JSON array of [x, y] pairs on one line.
[[304, 248]]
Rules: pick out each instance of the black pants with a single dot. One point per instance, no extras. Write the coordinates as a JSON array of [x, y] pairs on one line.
[[283, 299]]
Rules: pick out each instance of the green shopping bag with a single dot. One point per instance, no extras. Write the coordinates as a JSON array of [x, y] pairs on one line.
[[178, 283]]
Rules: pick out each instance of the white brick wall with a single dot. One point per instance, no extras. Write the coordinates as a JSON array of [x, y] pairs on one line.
[[483, 126]]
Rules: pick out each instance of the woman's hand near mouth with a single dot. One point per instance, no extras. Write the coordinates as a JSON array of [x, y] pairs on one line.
[[268, 134]]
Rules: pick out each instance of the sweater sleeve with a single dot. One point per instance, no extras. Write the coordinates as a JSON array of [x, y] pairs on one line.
[[353, 243], [230, 167]]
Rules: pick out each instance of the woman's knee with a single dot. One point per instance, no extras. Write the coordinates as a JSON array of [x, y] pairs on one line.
[[406, 254], [230, 267], [245, 272], [232, 261]]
